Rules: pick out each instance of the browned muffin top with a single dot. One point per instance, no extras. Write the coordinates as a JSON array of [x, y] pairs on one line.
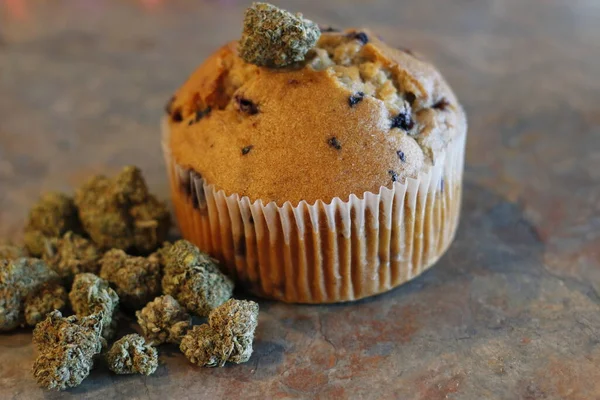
[[354, 116]]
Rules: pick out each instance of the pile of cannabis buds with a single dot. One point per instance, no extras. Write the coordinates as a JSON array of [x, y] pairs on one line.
[[99, 254]]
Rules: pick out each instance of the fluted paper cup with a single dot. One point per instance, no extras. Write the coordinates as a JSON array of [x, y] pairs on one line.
[[324, 252]]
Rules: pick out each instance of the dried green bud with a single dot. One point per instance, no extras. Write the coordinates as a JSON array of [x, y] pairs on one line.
[[18, 279], [52, 216], [130, 186], [194, 279], [164, 321], [160, 255], [11, 252], [11, 307], [273, 37], [199, 346], [66, 349], [51, 296], [36, 242], [120, 213], [72, 255], [135, 279], [91, 295], [132, 355], [235, 321], [227, 337]]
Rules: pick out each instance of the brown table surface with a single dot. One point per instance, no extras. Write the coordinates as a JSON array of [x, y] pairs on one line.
[[510, 312]]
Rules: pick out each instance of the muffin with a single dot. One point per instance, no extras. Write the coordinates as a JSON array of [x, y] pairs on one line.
[[330, 179]]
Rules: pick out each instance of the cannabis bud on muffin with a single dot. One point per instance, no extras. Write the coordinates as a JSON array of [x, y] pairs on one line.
[[276, 38], [317, 166]]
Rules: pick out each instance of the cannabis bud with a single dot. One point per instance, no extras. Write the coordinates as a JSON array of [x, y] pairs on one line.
[[91, 295], [273, 37], [51, 217], [160, 255], [132, 355], [120, 212], [135, 279], [194, 279], [21, 280], [164, 320], [39, 303], [201, 346], [66, 349], [227, 337], [10, 252], [235, 321], [71, 255]]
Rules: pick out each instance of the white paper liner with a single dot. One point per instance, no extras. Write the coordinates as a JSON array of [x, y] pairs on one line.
[[324, 252]]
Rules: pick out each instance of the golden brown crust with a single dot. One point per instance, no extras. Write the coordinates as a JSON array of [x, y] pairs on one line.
[[282, 256], [292, 135]]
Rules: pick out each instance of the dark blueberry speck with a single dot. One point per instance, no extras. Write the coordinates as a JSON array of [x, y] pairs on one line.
[[247, 149], [202, 113], [394, 175], [335, 143], [403, 121], [176, 116], [410, 97], [442, 104], [360, 36], [246, 106], [199, 115], [355, 99], [401, 155]]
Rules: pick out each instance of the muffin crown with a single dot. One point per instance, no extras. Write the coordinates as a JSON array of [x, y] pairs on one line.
[[356, 115]]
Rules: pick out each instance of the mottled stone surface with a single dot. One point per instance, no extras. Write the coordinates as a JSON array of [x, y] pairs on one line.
[[511, 312]]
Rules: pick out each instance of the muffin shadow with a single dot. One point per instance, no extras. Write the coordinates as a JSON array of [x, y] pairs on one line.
[[493, 236]]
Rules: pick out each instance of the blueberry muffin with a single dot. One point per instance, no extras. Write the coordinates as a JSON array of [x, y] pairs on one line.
[[329, 179]]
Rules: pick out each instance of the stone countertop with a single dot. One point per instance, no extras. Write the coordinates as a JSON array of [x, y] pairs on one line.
[[512, 311]]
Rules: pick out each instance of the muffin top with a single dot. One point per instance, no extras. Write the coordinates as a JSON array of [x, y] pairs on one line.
[[353, 116]]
